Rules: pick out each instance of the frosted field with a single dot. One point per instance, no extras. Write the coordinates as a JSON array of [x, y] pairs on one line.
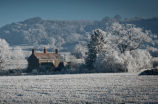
[[79, 88]]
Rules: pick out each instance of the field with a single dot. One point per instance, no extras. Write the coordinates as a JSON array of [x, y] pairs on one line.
[[79, 88]]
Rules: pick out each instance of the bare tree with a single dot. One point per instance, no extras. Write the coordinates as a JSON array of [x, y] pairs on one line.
[[128, 37]]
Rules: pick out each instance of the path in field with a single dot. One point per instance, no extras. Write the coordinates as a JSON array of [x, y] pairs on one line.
[[79, 88]]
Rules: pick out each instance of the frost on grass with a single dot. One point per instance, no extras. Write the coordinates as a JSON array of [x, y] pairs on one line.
[[85, 88]]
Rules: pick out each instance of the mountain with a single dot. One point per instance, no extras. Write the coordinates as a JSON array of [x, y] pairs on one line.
[[38, 30], [59, 33]]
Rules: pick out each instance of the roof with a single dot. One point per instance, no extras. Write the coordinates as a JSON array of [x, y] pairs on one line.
[[47, 56]]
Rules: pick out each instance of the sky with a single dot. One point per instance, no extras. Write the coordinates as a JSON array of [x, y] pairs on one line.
[[20, 10]]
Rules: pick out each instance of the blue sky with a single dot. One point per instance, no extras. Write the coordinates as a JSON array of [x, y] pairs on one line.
[[19, 10]]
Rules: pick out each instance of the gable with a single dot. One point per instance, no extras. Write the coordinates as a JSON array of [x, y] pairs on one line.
[[32, 57]]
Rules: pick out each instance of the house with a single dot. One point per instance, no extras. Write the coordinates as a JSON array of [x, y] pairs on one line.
[[44, 61]]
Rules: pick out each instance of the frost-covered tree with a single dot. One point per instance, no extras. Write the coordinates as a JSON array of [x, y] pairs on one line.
[[51, 40], [109, 62], [126, 50], [128, 37], [72, 64], [18, 60], [96, 45], [129, 61], [35, 45], [59, 41], [69, 62], [80, 50], [73, 37], [136, 60], [4, 53]]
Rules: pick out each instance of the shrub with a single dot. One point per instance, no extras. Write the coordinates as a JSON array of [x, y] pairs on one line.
[[129, 61]]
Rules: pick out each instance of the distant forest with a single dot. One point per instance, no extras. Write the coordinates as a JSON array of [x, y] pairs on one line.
[[59, 33]]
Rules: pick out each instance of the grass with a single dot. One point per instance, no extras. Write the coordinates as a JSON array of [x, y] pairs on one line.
[[79, 88]]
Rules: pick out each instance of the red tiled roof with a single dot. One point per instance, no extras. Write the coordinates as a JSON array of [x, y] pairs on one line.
[[47, 56]]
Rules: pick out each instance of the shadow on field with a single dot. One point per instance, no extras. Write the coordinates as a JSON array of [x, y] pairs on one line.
[[149, 72]]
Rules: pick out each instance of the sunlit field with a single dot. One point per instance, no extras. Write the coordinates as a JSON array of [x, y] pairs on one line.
[[79, 88]]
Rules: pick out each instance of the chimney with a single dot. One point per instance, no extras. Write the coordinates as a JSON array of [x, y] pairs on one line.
[[45, 50], [56, 51], [33, 51]]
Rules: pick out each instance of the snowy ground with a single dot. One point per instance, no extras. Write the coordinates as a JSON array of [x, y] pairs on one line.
[[79, 88]]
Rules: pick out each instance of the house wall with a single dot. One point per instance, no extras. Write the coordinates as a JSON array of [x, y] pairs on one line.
[[33, 63], [55, 62], [45, 61]]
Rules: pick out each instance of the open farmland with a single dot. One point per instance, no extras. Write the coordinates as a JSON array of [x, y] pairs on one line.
[[79, 88]]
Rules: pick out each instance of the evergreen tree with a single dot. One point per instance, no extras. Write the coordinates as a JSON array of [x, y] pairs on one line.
[[96, 45]]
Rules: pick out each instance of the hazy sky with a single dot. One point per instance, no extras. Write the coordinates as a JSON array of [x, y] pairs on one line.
[[19, 10]]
